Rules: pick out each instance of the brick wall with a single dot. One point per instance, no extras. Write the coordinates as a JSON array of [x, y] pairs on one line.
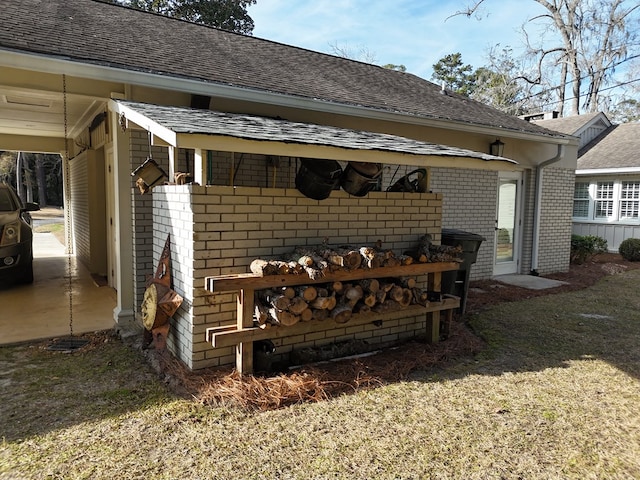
[[469, 203], [142, 217], [555, 220], [217, 230]]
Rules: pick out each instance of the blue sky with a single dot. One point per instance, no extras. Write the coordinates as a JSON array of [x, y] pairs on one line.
[[414, 33]]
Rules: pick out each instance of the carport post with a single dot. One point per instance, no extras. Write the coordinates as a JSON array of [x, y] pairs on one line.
[[124, 313]]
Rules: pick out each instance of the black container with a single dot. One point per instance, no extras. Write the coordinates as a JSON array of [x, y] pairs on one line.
[[360, 178], [316, 178], [456, 282]]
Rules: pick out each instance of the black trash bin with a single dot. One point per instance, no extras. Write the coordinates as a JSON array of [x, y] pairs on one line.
[[457, 282]]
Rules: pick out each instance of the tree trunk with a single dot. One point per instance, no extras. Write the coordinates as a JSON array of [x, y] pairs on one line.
[[41, 179]]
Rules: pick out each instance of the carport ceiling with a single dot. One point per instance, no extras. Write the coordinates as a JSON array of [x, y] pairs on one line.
[[27, 114]]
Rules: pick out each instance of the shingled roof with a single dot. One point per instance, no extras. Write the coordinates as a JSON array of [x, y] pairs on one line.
[[617, 147], [250, 127], [568, 125], [99, 33]]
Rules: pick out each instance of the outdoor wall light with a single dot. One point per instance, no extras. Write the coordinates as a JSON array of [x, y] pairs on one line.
[[496, 148]]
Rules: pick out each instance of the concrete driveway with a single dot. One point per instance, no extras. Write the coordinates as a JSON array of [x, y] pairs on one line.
[[42, 310]]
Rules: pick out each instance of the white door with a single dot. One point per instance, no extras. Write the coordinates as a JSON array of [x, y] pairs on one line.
[[507, 231]]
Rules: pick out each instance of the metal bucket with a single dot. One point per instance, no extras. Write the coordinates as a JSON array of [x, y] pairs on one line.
[[316, 178], [360, 178]]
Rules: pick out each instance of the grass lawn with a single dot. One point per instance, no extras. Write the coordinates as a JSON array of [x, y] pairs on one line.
[[555, 394]]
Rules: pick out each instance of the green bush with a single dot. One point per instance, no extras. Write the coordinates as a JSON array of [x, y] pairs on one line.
[[586, 247], [630, 249]]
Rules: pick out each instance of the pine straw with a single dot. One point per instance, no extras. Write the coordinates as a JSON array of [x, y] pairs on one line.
[[319, 382]]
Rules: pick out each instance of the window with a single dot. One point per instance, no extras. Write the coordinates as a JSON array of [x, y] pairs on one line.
[[604, 200], [581, 200], [629, 199]]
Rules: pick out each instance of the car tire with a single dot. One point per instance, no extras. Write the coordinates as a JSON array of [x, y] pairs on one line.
[[26, 275]]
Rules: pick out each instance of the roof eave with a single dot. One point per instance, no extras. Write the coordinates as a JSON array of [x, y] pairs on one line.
[[607, 171]]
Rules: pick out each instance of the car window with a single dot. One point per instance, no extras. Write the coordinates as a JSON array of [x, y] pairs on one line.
[[6, 201]]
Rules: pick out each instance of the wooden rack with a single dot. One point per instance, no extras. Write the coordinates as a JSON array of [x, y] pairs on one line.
[[243, 333]]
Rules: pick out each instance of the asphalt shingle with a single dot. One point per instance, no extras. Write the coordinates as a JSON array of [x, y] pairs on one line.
[[95, 32], [209, 122], [617, 147]]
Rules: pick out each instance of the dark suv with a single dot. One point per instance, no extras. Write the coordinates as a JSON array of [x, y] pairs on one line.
[[16, 237]]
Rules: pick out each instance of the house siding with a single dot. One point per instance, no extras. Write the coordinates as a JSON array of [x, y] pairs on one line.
[[220, 230], [79, 196]]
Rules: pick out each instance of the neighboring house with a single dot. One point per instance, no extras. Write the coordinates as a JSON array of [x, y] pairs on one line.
[[241, 115], [607, 190]]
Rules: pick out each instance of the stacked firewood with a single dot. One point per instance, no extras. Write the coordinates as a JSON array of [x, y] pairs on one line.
[[319, 261], [337, 300], [287, 306]]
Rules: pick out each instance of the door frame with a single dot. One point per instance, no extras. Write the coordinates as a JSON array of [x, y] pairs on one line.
[[513, 266]]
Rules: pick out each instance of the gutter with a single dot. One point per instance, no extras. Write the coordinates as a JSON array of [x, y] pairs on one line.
[[49, 64], [538, 208]]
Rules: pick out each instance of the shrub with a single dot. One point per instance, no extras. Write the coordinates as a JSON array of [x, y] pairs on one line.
[[630, 249], [586, 247]]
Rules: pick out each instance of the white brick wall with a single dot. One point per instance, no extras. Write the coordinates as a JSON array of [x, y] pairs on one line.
[[555, 220], [219, 230], [469, 204]]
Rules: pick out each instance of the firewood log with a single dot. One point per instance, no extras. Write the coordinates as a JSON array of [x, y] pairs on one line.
[[420, 297], [371, 259], [280, 302], [396, 293], [320, 314], [306, 315], [308, 292], [282, 317], [263, 267], [337, 287], [305, 261], [298, 305], [369, 299], [348, 259], [401, 295], [407, 298], [387, 306], [406, 259], [341, 313], [407, 282], [323, 292], [387, 286], [261, 312], [381, 296], [319, 263], [361, 308], [391, 262], [371, 285], [288, 292], [324, 303], [353, 292]]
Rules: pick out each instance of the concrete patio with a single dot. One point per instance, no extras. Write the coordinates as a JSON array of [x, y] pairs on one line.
[[41, 310]]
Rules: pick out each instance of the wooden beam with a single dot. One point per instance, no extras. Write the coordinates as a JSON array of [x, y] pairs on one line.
[[225, 283], [227, 336]]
